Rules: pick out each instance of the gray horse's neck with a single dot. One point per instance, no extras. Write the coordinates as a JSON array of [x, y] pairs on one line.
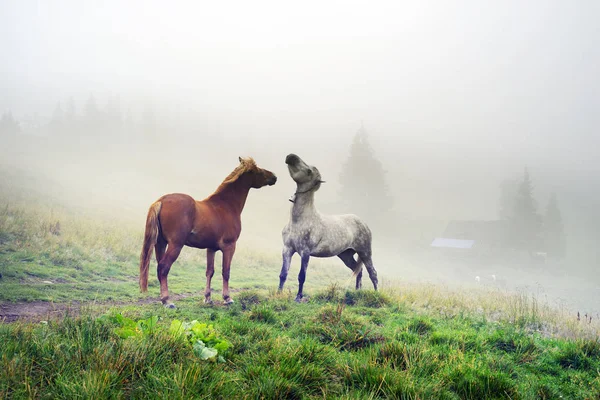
[[304, 206]]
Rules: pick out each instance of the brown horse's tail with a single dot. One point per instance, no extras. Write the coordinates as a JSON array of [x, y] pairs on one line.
[[150, 238]]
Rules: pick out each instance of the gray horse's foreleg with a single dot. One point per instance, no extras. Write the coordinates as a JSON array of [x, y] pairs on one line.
[[347, 257], [366, 258], [302, 276], [286, 254]]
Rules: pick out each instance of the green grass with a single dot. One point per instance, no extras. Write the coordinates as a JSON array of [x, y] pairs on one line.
[[280, 349], [405, 341], [94, 259]]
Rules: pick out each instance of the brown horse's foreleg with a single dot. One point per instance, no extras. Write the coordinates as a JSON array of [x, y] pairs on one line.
[[227, 257], [348, 258], [302, 276], [164, 266], [210, 271]]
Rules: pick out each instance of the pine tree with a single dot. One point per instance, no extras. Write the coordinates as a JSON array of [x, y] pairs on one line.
[[91, 113], [112, 112], [525, 222], [148, 125], [363, 188], [554, 239], [8, 124], [57, 121]]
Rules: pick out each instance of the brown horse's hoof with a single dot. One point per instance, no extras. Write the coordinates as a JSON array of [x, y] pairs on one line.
[[170, 305], [228, 301], [208, 300]]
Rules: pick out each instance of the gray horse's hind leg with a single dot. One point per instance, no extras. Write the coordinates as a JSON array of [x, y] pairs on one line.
[[366, 258], [347, 257]]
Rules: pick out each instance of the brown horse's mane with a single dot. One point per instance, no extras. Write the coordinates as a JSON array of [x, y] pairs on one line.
[[247, 164]]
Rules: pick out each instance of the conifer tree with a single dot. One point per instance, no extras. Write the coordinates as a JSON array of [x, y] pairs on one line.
[[525, 222], [363, 187], [8, 124], [91, 113], [57, 121]]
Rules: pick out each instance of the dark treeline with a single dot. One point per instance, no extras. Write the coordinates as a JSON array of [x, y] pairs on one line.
[[104, 122]]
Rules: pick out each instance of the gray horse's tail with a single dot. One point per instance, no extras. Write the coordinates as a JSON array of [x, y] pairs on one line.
[[358, 267]]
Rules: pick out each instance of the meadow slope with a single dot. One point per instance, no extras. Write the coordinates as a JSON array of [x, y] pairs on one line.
[[406, 341]]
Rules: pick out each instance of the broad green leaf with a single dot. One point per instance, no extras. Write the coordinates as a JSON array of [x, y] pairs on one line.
[[205, 353], [125, 332], [222, 346], [177, 328], [147, 326]]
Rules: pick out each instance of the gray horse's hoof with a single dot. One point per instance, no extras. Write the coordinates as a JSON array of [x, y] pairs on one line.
[[228, 301], [170, 305], [301, 299]]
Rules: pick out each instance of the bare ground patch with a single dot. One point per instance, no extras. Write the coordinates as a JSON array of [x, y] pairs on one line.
[[43, 310]]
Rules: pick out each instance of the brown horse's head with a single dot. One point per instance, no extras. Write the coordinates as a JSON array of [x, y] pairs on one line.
[[258, 177]]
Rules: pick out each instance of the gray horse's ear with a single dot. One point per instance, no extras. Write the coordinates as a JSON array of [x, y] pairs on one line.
[[321, 181]]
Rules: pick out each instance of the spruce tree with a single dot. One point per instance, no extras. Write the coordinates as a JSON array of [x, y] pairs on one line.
[[363, 188], [8, 124], [57, 121], [91, 113], [525, 222], [554, 238]]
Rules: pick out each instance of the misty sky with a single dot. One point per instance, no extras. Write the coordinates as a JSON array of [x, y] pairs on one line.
[[495, 77]]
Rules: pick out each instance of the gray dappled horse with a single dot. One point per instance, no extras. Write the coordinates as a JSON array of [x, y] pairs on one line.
[[310, 233]]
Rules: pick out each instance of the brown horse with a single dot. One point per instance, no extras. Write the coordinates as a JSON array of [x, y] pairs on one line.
[[177, 220]]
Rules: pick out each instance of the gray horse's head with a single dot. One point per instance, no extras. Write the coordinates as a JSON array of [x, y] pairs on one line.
[[306, 176]]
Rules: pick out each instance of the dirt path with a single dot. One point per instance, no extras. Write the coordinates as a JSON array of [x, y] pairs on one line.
[[43, 311]]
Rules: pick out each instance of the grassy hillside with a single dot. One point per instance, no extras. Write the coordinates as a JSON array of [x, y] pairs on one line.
[[52, 252], [406, 341], [342, 344]]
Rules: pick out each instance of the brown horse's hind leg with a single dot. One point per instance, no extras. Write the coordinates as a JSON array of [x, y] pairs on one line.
[[164, 266], [159, 248], [348, 258], [210, 271], [227, 257]]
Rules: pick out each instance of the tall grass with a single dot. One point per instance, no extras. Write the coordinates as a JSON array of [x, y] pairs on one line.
[[405, 341], [280, 349]]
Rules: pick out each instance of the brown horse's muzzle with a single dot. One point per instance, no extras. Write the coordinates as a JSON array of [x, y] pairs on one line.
[[271, 181]]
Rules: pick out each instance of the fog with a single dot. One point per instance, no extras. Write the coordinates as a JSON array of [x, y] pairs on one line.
[[456, 97]]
